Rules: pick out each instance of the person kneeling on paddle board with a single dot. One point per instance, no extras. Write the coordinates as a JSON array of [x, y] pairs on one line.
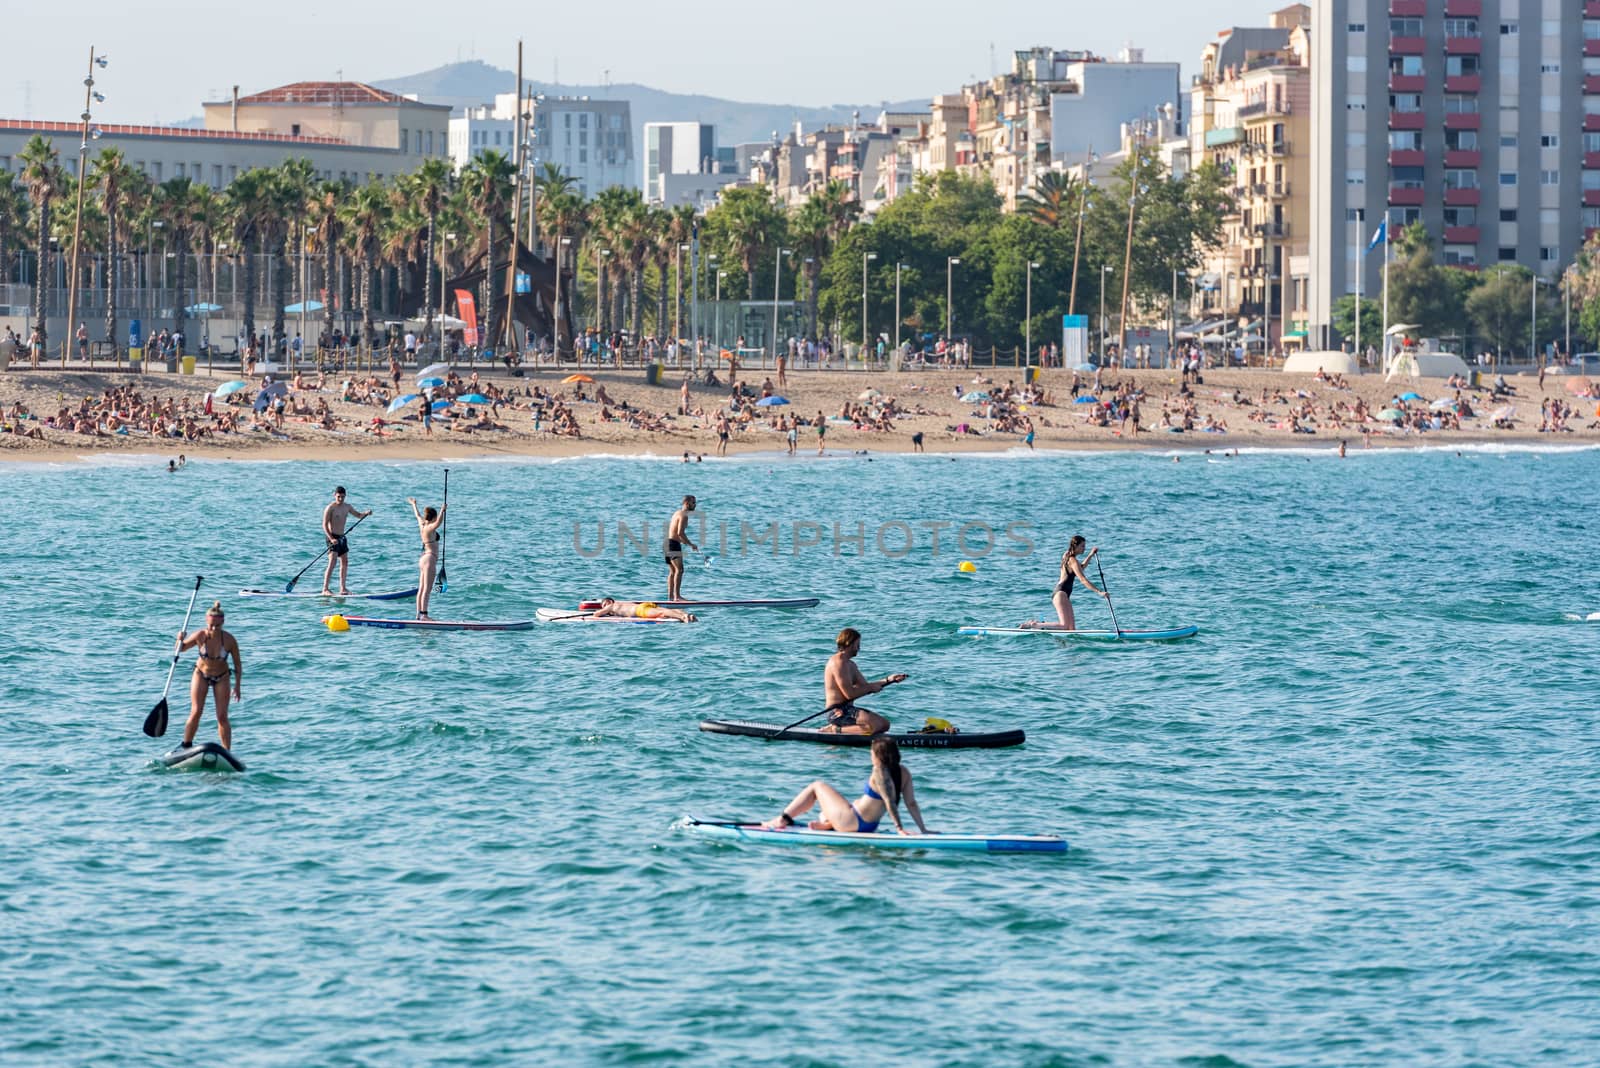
[[842, 683], [640, 610], [1071, 568], [211, 675], [885, 787], [428, 524]]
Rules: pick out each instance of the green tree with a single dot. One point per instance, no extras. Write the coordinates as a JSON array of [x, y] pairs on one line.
[[1420, 292], [181, 204], [362, 218], [1501, 309], [746, 222], [487, 184], [42, 176], [251, 200], [1344, 320], [429, 186], [815, 228], [112, 175], [1583, 279], [1053, 201]]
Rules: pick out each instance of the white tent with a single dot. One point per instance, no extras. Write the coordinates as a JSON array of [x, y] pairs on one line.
[[1329, 362], [1431, 364]]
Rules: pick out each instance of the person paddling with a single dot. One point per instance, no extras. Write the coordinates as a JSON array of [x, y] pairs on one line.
[[888, 784], [428, 524], [677, 538], [1071, 569], [334, 518], [215, 646], [842, 683], [640, 610]]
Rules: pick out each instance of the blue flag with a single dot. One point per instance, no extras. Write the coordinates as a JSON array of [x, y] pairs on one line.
[[1380, 235]]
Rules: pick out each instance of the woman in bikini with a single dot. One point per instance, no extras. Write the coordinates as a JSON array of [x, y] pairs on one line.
[[215, 646], [1071, 569], [428, 524], [885, 787]]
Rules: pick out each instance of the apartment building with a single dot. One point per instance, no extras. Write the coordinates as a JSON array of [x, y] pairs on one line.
[[590, 140], [1478, 118]]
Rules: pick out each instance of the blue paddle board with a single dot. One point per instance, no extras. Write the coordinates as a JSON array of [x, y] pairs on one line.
[[1171, 635], [798, 835]]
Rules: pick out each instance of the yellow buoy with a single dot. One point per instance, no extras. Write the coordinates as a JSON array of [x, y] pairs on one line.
[[967, 567], [337, 623]]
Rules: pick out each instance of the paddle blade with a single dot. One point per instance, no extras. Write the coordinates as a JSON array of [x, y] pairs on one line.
[[289, 586], [441, 585], [155, 724]]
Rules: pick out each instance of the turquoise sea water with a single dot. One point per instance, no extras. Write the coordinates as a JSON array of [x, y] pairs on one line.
[[1354, 822]]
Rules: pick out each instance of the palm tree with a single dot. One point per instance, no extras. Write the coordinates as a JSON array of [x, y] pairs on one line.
[[562, 214], [487, 181], [612, 209], [362, 216], [677, 228], [1052, 200], [404, 234], [429, 185], [816, 228], [181, 206], [42, 176], [752, 223], [292, 183], [113, 175], [250, 200], [322, 209], [13, 224]]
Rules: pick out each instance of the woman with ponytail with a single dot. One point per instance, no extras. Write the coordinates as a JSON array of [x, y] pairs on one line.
[[1071, 569], [887, 785]]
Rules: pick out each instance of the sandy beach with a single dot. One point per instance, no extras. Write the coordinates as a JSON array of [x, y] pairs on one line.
[[1227, 397]]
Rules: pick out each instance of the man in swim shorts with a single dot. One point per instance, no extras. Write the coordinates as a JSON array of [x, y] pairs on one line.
[[677, 538], [842, 683], [640, 610], [334, 518]]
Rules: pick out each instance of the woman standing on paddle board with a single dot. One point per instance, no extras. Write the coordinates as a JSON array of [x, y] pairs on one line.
[[885, 787], [428, 524], [1071, 569], [211, 675]]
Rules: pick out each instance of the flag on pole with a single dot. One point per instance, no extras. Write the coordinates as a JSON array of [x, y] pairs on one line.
[[1380, 235]]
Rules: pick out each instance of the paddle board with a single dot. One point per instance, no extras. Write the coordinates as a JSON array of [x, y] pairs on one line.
[[433, 624], [880, 839], [778, 602], [904, 739], [567, 615], [207, 756], [1172, 635], [391, 595]]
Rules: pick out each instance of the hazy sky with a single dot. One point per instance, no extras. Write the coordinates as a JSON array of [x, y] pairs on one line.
[[167, 56]]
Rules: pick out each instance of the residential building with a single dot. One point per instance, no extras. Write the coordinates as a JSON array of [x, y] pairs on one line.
[[678, 148], [590, 140], [1250, 115], [1481, 120], [352, 112]]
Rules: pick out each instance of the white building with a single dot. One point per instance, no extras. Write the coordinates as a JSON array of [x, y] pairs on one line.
[[1103, 97], [590, 140]]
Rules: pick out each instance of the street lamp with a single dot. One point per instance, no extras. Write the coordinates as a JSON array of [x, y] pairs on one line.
[[677, 292], [89, 97], [600, 256], [1027, 319], [1533, 318], [949, 295], [1105, 269], [777, 279], [865, 337], [149, 274], [897, 269]]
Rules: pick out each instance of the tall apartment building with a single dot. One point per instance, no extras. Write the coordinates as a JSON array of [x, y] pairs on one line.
[[590, 140], [1479, 118]]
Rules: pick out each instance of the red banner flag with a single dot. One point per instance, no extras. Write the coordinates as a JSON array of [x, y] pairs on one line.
[[469, 315]]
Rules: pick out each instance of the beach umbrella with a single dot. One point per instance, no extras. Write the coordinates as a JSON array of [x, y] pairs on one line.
[[430, 383], [1505, 411], [1084, 367], [440, 405], [573, 379], [1085, 398], [1393, 415], [1442, 404], [473, 398], [433, 369], [229, 388], [768, 402], [303, 306], [973, 397], [726, 355], [1579, 385], [400, 402], [1410, 396]]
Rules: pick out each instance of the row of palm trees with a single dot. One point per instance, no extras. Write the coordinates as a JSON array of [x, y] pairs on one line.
[[380, 246]]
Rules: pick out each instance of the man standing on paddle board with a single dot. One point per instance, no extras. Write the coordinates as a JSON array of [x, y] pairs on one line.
[[211, 675], [842, 683], [334, 518], [677, 538]]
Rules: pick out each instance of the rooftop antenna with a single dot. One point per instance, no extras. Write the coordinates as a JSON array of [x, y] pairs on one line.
[[994, 65]]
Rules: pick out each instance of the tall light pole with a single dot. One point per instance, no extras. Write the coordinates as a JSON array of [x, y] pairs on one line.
[[777, 279], [1089, 161], [949, 295], [866, 338], [897, 269], [1566, 293], [1027, 319], [89, 97], [151, 226], [600, 255], [677, 290], [1533, 319], [1105, 269]]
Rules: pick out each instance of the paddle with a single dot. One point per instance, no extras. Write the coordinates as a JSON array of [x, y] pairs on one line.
[[290, 587], [155, 724], [1107, 591], [807, 719], [441, 585]]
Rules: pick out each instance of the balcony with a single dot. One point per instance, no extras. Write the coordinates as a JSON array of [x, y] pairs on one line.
[[1272, 229], [1280, 189], [1462, 120], [1408, 83], [1591, 46], [1462, 198], [1591, 84], [1462, 157], [1463, 46], [1591, 198], [1405, 120], [1591, 9], [1465, 9], [1591, 161], [1225, 135], [1407, 157], [1406, 196], [1408, 8], [1461, 235], [1280, 148], [1464, 83], [1407, 46], [1591, 123]]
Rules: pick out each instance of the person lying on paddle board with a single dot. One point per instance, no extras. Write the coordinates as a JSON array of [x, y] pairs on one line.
[[334, 518], [677, 538], [1071, 568], [428, 524], [842, 683], [640, 610], [215, 646], [887, 785]]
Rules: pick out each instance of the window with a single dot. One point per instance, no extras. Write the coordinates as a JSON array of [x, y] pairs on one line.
[[1355, 64], [1457, 66], [1352, 215], [1458, 140], [1465, 216], [1357, 27], [1461, 27], [583, 121], [1549, 253], [155, 171], [1549, 68], [1508, 29], [1550, 141], [1399, 27], [1508, 177], [1405, 140], [1460, 104], [1460, 178], [1508, 214], [1508, 140], [1405, 177], [1354, 177], [179, 171], [1405, 65], [1355, 103], [1400, 218], [1591, 218], [1405, 102], [1507, 255], [1460, 255], [1550, 177], [405, 140], [583, 155]]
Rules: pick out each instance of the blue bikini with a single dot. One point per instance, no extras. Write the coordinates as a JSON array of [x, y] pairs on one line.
[[864, 825]]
